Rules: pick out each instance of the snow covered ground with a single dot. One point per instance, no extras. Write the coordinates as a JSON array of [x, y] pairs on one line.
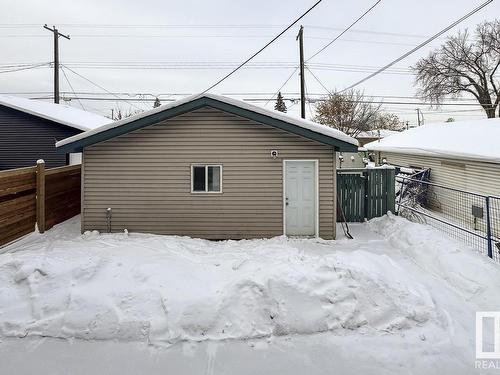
[[399, 298]]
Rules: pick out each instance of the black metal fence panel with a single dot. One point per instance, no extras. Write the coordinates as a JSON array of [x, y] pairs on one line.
[[466, 216]]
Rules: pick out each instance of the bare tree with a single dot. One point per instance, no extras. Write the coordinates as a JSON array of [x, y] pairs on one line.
[[389, 121], [349, 112], [465, 63], [119, 114]]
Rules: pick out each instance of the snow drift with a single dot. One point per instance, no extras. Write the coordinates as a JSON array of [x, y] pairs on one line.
[[469, 140], [165, 289]]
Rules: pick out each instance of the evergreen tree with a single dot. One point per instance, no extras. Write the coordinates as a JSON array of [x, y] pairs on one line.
[[280, 103], [156, 103]]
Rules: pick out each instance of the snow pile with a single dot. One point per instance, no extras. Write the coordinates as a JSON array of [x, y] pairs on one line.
[[399, 298], [468, 273], [165, 289], [60, 113], [473, 139]]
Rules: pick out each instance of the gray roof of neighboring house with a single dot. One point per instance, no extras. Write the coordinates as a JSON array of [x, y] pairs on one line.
[[60, 113]]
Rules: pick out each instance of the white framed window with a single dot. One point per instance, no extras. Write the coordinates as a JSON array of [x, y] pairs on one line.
[[206, 178]]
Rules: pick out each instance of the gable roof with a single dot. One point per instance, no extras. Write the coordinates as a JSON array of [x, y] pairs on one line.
[[305, 128], [60, 113], [471, 139]]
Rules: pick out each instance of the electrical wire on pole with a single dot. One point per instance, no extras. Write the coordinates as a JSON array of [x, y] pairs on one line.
[[424, 43], [344, 31], [318, 80], [21, 68], [283, 85], [262, 49], [72, 89], [300, 38], [102, 88], [56, 34]]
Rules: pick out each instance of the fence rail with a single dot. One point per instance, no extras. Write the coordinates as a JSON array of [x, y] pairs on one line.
[[365, 193], [33, 195], [17, 203], [469, 217]]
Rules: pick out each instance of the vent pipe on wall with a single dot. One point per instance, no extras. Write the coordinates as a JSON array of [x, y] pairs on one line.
[[108, 218]]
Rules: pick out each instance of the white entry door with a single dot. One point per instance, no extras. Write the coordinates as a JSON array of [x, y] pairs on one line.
[[300, 197]]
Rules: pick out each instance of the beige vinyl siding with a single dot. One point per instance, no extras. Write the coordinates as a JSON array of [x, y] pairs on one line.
[[473, 176], [145, 177]]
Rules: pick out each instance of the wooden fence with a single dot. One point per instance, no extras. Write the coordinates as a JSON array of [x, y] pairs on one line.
[[365, 193], [34, 195], [17, 203]]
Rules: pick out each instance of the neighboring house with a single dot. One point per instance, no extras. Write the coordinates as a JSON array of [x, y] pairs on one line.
[[373, 135], [358, 159], [464, 154], [212, 167], [30, 128]]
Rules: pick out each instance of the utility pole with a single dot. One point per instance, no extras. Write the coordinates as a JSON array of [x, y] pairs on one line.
[[56, 59], [418, 116], [300, 38]]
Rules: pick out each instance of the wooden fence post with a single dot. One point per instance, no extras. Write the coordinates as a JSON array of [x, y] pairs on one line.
[[40, 195]]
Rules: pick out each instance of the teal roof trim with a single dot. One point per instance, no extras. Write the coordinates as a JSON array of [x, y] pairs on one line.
[[79, 145]]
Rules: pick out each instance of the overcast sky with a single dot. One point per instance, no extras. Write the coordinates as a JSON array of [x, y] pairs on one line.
[[182, 47]]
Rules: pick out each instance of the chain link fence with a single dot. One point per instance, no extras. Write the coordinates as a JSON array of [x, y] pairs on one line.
[[468, 217]]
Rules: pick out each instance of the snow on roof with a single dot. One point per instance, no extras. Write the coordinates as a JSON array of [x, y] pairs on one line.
[[471, 139], [318, 128], [382, 133], [60, 113]]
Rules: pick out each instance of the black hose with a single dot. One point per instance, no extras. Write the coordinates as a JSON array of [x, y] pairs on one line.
[[346, 229]]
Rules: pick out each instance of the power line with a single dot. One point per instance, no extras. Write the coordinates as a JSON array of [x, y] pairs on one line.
[[370, 32], [263, 48], [102, 88], [204, 36], [283, 85], [204, 64], [343, 32], [248, 94], [318, 80], [291, 99], [241, 94], [427, 41], [21, 65], [211, 26], [24, 68], [72, 89]]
